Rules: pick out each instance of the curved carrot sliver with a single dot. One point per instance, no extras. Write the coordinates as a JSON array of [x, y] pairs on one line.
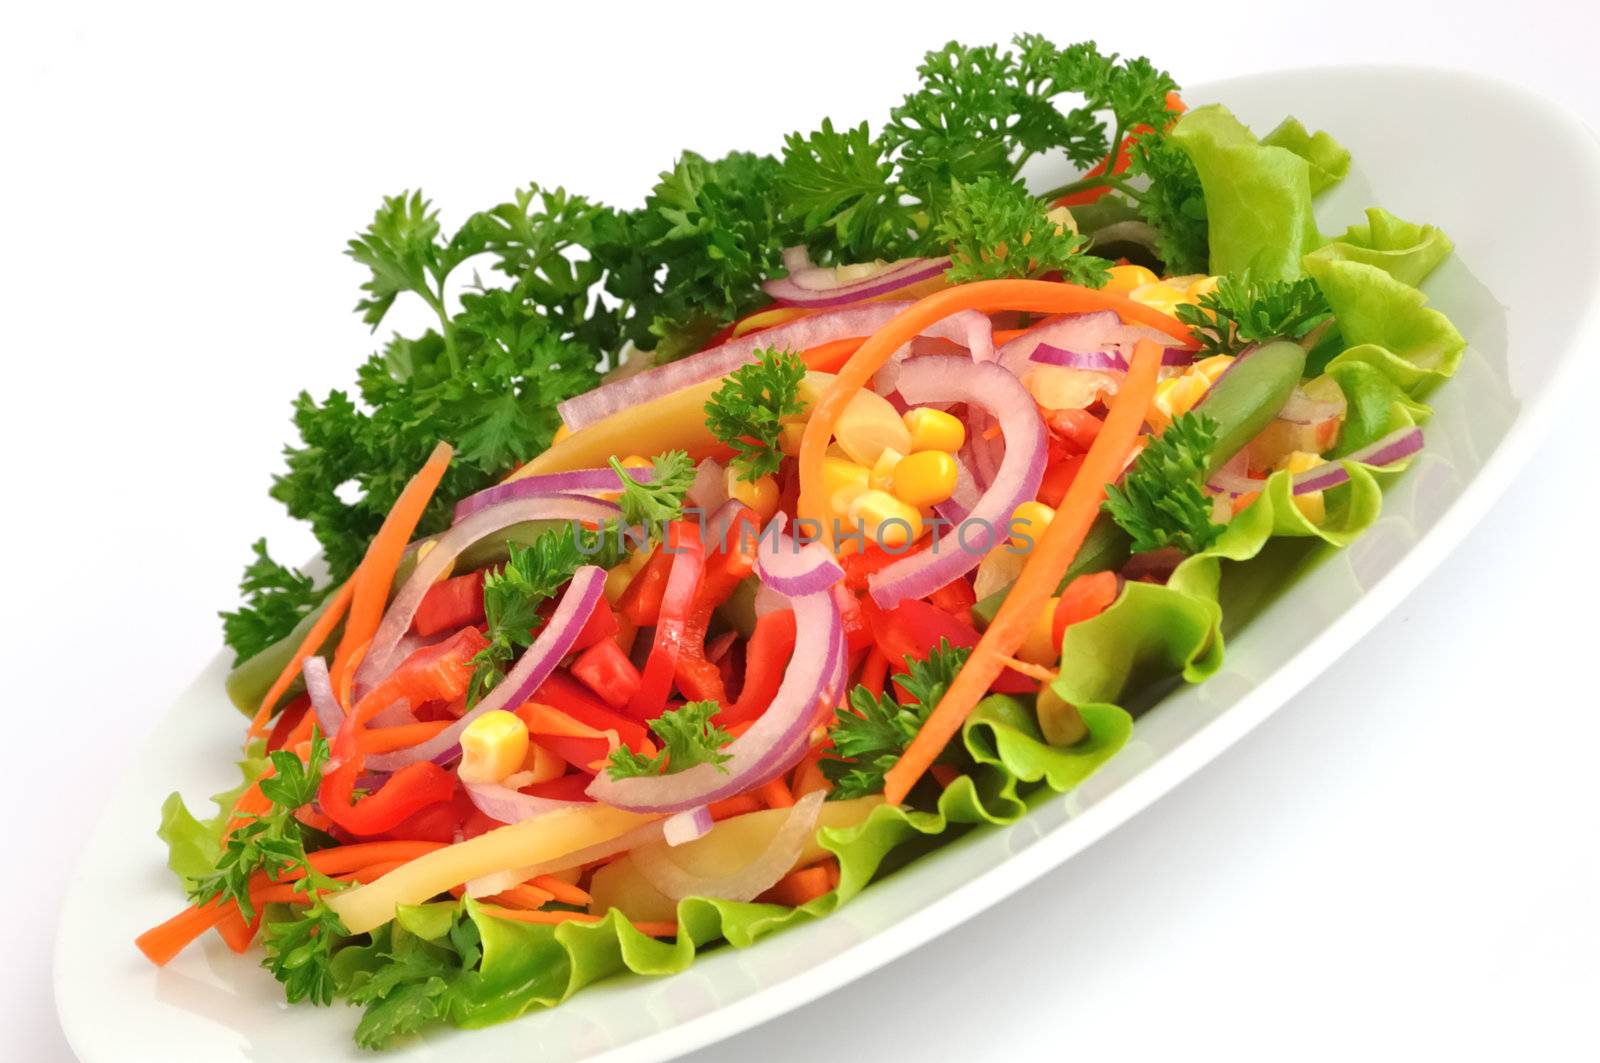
[[234, 931], [310, 644], [828, 357], [1046, 565], [375, 575], [565, 892], [1044, 297], [402, 736]]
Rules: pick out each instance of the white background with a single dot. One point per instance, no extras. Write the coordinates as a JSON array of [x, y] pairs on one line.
[[1403, 862]]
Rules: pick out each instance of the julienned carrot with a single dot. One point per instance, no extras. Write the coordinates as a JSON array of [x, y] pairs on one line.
[[799, 887], [565, 892], [310, 644], [874, 672], [345, 858], [1046, 566], [234, 931], [737, 805], [375, 575], [655, 930], [828, 357], [292, 893], [401, 736], [775, 794], [1044, 297], [159, 944], [808, 776], [1032, 671]]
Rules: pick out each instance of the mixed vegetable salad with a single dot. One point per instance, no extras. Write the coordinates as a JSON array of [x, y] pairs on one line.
[[826, 503]]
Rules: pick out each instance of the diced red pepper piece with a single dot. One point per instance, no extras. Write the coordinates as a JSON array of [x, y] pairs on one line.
[[731, 562], [562, 692], [1058, 476], [606, 670], [956, 598], [914, 628], [602, 624], [449, 604]]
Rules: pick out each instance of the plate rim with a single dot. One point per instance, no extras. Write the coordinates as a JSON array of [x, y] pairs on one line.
[[1054, 847]]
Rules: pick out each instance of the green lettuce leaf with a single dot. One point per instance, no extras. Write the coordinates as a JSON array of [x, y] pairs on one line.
[[193, 844], [1374, 406], [1406, 251], [1387, 324], [1258, 195], [526, 966], [1328, 159]]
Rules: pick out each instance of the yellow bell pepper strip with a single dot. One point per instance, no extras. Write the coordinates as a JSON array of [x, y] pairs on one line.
[[532, 841]]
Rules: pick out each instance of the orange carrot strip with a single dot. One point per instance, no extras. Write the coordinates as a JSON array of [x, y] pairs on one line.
[[775, 794], [523, 896], [161, 943], [659, 930], [798, 887], [809, 777], [320, 630], [1047, 564], [1032, 671], [290, 893], [234, 931], [375, 575], [565, 892], [1045, 297], [737, 805], [828, 357], [401, 736], [875, 671]]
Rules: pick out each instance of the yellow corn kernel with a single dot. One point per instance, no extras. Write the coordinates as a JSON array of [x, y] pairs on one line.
[[1178, 394], [1037, 646], [841, 497], [882, 476], [924, 478], [562, 432], [493, 746], [1203, 286], [1125, 279], [934, 430], [760, 494], [867, 424], [1028, 524], [635, 461], [1158, 296], [789, 436], [885, 519], [542, 765], [842, 472]]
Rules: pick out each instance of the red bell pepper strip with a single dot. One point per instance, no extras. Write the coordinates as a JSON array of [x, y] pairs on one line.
[[449, 604], [684, 550], [640, 603], [914, 629], [287, 721], [766, 656], [433, 673], [1085, 597], [730, 563], [606, 670], [1058, 476], [561, 691]]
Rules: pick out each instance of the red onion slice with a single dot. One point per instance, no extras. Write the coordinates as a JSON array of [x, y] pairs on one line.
[[512, 806], [793, 570], [819, 287], [686, 826], [381, 657], [958, 506], [772, 745], [532, 668], [968, 328], [710, 487], [330, 717], [1234, 478], [750, 881], [1302, 409], [1016, 480], [1398, 445], [580, 481], [1101, 331], [1103, 361]]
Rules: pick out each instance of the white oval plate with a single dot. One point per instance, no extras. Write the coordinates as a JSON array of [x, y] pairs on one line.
[[1521, 288]]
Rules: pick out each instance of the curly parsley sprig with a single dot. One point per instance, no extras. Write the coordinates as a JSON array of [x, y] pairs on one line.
[[688, 737], [747, 412], [1160, 501]]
